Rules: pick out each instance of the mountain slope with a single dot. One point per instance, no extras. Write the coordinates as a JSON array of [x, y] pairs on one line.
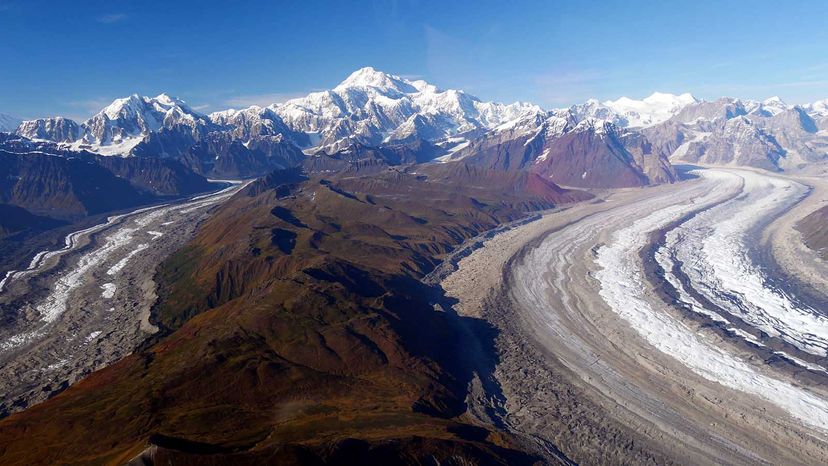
[[61, 187], [371, 108], [768, 134], [814, 232], [14, 220], [592, 153], [294, 336], [256, 121], [57, 129], [53, 181]]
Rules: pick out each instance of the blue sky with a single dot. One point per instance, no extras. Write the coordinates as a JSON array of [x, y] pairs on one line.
[[72, 58]]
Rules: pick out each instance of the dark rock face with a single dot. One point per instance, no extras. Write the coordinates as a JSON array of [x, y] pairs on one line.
[[14, 220], [234, 158], [48, 180], [603, 160], [285, 240], [221, 155], [62, 187], [161, 177], [396, 153]]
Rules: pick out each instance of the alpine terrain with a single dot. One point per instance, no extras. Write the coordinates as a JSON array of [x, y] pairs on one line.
[[390, 272]]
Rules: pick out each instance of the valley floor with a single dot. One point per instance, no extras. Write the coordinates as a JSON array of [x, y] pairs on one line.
[[79, 308], [680, 323]]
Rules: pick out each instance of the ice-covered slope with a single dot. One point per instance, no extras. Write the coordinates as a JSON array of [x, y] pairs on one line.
[[769, 107], [819, 112], [55, 129], [256, 121], [126, 121]]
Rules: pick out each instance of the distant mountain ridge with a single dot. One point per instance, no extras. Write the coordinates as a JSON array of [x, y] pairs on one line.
[[769, 134], [631, 113], [372, 108], [119, 127], [588, 153]]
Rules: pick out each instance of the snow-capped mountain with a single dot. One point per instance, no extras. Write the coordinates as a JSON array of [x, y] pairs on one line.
[[119, 127], [768, 107], [571, 150], [631, 113], [56, 129], [126, 121], [256, 121], [8, 123], [768, 134], [818, 108], [371, 107]]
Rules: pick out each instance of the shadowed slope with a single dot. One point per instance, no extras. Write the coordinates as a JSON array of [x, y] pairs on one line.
[[814, 229]]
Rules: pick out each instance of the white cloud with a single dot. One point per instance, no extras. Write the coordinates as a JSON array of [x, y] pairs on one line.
[[111, 18]]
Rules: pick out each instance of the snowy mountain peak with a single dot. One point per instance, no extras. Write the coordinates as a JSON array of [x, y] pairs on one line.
[[127, 105], [424, 86], [651, 110], [671, 99], [656, 99], [166, 99], [597, 126], [371, 106], [818, 108], [136, 105], [628, 113], [774, 105], [120, 126], [369, 77], [775, 100]]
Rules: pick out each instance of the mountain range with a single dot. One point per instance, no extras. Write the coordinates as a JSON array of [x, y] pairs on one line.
[[371, 108], [297, 325]]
